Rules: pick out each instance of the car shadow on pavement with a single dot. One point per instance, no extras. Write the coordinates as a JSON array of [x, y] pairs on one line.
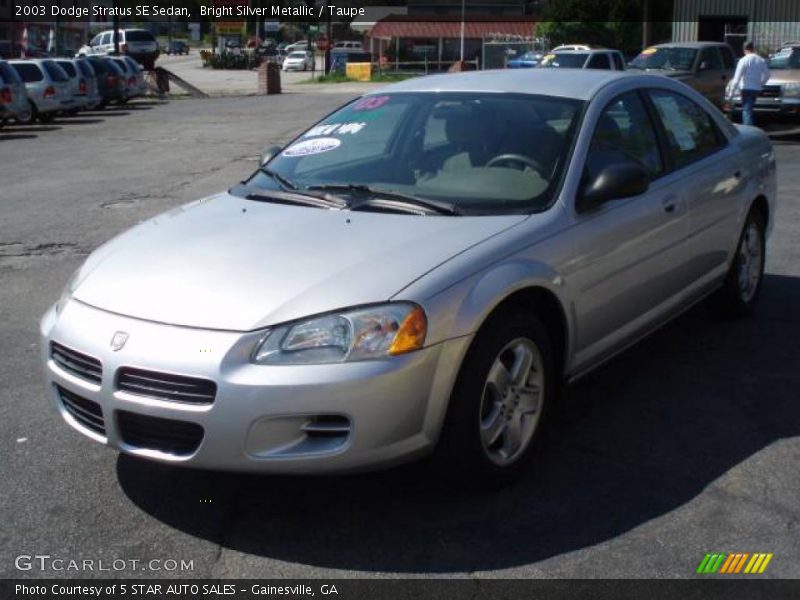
[[7, 137], [79, 121], [635, 440], [106, 113], [25, 129]]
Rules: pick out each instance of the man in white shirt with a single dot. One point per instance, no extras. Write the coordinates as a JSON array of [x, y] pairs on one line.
[[751, 74]]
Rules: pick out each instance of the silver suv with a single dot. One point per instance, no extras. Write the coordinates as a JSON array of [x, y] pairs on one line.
[[48, 86], [139, 44], [13, 97]]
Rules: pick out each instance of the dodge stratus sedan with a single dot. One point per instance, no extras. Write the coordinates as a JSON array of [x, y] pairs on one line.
[[415, 274]]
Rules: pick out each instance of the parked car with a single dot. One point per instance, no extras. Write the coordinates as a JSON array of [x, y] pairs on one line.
[[349, 45], [301, 46], [177, 47], [597, 58], [79, 87], [298, 61], [705, 66], [111, 80], [92, 85], [567, 47], [48, 86], [13, 96], [781, 94], [139, 44], [489, 235], [528, 60], [135, 85]]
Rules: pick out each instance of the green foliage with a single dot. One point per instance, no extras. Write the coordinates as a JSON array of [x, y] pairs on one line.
[[610, 23]]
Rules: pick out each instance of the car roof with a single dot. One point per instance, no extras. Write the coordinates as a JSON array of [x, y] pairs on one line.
[[689, 45], [580, 84], [592, 51]]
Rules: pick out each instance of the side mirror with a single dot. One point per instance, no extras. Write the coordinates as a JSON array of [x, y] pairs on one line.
[[268, 152], [613, 182]]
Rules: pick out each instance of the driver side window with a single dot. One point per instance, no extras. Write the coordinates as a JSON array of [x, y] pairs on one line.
[[625, 128]]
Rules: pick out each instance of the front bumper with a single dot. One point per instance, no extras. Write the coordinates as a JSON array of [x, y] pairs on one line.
[[262, 419], [780, 105]]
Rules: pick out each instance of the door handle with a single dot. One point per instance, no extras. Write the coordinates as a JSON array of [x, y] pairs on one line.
[[669, 204]]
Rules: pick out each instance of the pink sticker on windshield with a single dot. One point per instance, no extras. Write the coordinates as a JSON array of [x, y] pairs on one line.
[[370, 102]]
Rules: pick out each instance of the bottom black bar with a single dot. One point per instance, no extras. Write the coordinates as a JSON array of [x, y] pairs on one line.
[[400, 589]]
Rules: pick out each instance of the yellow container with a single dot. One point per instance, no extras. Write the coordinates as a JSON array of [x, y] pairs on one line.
[[359, 71]]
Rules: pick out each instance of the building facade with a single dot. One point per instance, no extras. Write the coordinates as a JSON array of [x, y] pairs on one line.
[[768, 23]]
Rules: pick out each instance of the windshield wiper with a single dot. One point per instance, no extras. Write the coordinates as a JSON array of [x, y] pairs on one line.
[[440, 206], [282, 179], [324, 201]]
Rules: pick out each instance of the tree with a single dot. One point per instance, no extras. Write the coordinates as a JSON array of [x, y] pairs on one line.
[[612, 23]]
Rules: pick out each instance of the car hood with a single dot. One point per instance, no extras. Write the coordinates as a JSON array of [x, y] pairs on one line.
[[234, 264], [682, 74], [780, 76]]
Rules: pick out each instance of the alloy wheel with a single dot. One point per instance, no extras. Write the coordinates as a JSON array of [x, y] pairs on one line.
[[751, 262]]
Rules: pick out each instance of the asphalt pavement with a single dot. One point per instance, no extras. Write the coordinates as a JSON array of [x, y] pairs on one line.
[[686, 444]]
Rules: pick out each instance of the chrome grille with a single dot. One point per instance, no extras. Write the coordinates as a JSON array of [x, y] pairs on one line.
[[770, 91], [180, 438], [79, 364], [86, 412], [166, 386]]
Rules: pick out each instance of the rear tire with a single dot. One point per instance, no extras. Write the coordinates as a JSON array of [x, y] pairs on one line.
[[499, 403], [46, 117], [739, 294], [31, 115]]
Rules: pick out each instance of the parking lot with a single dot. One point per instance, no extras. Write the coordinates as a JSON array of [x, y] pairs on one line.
[[686, 444]]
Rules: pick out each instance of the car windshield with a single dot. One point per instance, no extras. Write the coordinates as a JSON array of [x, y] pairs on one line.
[[674, 58], [788, 58], [564, 61], [481, 152]]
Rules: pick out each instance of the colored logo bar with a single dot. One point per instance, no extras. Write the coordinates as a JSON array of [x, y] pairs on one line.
[[734, 563]]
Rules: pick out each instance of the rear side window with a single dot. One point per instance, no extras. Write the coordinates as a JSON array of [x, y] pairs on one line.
[[8, 74], [710, 59], [106, 38], [68, 67], [599, 61], [728, 60], [56, 73], [691, 133], [85, 68], [139, 36], [619, 64], [29, 72]]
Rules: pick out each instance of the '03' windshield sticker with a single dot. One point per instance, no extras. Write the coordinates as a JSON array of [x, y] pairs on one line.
[[335, 129], [308, 147], [370, 103]]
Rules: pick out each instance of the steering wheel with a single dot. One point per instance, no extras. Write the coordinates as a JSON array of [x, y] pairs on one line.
[[519, 159]]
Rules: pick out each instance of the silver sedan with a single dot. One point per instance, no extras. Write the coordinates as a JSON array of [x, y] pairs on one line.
[[415, 274]]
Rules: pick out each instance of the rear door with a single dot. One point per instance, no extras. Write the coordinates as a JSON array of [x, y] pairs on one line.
[[708, 169], [629, 252]]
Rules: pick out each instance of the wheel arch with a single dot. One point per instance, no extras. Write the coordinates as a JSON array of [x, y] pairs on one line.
[[761, 204]]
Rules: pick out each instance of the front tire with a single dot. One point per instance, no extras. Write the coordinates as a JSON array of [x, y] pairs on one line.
[[499, 403], [739, 294]]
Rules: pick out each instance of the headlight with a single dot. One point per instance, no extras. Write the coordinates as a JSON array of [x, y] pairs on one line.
[[359, 334], [68, 290], [791, 89]]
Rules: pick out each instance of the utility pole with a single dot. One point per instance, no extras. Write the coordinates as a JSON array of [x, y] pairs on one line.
[[647, 24], [462, 30], [116, 29]]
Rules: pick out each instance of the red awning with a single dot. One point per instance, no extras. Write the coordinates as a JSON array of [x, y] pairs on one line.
[[405, 26]]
